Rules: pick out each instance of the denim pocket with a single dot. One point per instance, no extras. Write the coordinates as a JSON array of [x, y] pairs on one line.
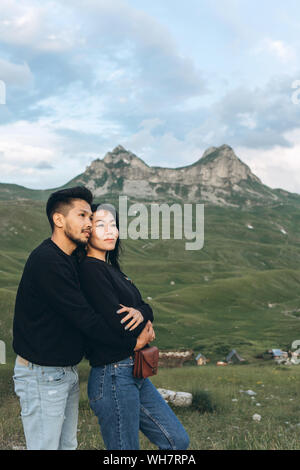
[[96, 383], [21, 390], [52, 374]]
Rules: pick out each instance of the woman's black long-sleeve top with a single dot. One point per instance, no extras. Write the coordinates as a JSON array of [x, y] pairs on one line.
[[105, 288]]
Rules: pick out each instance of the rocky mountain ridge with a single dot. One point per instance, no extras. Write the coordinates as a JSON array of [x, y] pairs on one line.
[[219, 177]]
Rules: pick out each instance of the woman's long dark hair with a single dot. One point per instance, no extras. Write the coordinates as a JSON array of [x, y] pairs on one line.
[[112, 257]]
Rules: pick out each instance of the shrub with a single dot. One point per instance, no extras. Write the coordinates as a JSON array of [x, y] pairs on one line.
[[202, 402]]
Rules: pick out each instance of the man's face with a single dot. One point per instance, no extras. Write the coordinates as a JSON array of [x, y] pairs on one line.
[[77, 225]]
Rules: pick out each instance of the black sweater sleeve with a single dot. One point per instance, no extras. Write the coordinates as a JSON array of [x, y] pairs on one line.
[[97, 286], [61, 289], [144, 308]]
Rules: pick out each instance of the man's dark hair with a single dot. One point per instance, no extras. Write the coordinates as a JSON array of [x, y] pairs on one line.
[[62, 201]]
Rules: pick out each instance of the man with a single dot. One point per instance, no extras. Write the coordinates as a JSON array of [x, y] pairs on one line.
[[51, 323]]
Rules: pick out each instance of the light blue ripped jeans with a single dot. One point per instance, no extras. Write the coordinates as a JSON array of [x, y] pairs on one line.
[[49, 398]]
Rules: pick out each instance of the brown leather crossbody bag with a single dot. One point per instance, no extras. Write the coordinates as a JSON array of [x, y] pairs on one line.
[[146, 362]]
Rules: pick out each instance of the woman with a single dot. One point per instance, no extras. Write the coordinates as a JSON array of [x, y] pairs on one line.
[[123, 404]]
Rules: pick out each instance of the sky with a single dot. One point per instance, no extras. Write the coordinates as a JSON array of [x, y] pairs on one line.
[[166, 79]]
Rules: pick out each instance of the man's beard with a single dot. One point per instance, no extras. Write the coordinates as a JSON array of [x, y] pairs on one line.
[[77, 241]]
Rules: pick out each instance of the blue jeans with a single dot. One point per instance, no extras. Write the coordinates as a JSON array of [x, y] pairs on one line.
[[125, 404], [49, 398]]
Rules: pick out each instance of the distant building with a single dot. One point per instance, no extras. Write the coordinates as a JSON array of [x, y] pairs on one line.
[[278, 354], [201, 360], [233, 357]]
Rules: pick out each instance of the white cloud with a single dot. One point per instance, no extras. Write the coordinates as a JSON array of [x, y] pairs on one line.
[[277, 48], [283, 51], [161, 150], [26, 149], [76, 109], [15, 74], [246, 120], [25, 144], [278, 167], [45, 26], [100, 68]]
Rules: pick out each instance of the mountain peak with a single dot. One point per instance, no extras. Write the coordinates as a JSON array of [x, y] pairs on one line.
[[119, 148], [120, 156], [223, 164], [208, 151], [215, 152], [225, 147], [118, 151]]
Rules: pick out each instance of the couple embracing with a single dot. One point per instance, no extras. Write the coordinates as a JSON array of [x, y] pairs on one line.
[[73, 301]]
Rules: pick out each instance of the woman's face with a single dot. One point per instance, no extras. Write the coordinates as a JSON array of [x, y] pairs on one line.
[[104, 231]]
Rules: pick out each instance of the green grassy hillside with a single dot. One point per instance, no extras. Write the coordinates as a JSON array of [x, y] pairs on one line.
[[241, 290]]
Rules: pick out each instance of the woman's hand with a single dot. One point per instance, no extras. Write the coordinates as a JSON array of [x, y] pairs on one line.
[[136, 316], [146, 336]]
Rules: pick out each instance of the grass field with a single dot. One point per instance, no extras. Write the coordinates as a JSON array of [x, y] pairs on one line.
[[240, 291], [220, 417]]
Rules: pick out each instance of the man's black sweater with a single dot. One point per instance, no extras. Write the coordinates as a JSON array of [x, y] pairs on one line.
[[53, 319], [105, 287]]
